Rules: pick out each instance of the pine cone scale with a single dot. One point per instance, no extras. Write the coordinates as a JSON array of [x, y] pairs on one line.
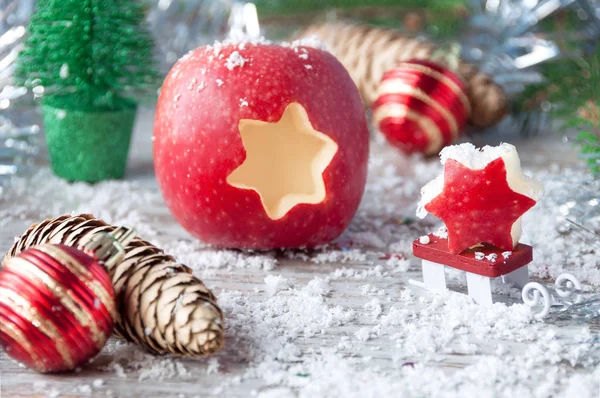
[[162, 306]]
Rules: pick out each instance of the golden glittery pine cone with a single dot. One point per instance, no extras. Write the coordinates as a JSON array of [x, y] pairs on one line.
[[161, 305], [369, 52]]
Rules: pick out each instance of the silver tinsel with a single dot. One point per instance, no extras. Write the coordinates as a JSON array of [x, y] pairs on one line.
[[581, 209], [19, 137], [182, 25], [506, 40]]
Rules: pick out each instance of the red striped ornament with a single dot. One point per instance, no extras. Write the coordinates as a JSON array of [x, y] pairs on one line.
[[421, 107], [57, 307]]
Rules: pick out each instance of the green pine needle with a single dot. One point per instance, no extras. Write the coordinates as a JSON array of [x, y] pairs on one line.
[[89, 54], [573, 87]]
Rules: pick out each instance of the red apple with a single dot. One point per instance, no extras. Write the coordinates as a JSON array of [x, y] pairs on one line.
[[261, 146]]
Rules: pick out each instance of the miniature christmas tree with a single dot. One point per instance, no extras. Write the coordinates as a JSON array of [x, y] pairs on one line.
[[88, 53], [91, 61]]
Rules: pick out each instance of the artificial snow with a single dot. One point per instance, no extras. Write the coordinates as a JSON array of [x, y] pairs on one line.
[[235, 60], [492, 257], [275, 284], [312, 41], [341, 320], [64, 71], [424, 240]]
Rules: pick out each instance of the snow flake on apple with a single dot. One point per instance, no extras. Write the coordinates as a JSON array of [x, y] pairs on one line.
[[481, 196], [312, 41], [192, 83], [235, 60]]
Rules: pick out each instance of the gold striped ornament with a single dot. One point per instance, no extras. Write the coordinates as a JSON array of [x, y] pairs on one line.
[[421, 107], [57, 303]]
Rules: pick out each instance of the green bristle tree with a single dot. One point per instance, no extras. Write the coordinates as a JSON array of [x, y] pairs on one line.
[[88, 54], [92, 62]]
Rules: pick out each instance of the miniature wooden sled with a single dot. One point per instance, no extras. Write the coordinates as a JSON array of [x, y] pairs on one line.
[[482, 264]]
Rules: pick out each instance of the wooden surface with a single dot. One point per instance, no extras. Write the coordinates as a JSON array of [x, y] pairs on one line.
[[362, 344]]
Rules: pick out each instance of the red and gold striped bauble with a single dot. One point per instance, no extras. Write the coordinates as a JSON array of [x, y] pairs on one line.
[[57, 307], [421, 107]]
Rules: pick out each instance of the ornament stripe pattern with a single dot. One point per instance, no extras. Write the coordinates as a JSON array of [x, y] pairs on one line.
[[89, 277], [50, 318], [70, 300], [51, 338], [397, 86], [389, 112], [421, 107], [22, 348], [458, 89]]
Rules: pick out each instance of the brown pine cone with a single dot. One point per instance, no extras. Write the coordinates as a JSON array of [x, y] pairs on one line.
[[162, 306], [369, 52]]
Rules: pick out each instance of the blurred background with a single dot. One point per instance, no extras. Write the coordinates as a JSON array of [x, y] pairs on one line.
[[541, 54]]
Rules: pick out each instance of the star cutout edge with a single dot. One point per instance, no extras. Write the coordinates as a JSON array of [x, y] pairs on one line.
[[478, 206], [284, 161]]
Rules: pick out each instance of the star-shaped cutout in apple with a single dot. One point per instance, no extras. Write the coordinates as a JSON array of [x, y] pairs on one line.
[[481, 196], [284, 161]]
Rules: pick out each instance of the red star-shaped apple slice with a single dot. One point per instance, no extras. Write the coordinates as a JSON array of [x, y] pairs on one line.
[[478, 206]]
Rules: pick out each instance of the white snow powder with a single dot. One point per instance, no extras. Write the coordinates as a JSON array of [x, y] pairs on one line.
[[235, 60], [492, 257], [276, 283], [424, 240], [310, 338], [64, 71]]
